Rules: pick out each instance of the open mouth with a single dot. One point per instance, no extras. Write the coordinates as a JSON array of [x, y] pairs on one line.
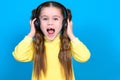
[[50, 30]]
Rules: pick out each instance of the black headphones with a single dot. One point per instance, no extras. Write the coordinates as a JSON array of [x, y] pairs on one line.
[[35, 14]]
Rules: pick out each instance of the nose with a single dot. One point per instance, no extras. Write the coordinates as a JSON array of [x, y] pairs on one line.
[[50, 22]]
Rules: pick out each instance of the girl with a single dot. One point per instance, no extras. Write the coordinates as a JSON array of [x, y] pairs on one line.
[[51, 43]]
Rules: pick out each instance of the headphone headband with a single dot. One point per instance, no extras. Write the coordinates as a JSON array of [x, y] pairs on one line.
[[65, 14]]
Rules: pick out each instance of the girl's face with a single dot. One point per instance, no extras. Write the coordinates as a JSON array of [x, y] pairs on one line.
[[51, 22]]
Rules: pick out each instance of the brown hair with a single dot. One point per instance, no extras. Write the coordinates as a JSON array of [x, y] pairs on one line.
[[64, 54]]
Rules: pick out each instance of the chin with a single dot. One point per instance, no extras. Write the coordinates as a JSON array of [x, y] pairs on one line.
[[51, 37]]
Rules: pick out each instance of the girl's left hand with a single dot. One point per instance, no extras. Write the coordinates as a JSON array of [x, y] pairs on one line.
[[69, 30]]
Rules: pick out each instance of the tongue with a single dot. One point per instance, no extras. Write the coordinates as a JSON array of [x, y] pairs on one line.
[[50, 31]]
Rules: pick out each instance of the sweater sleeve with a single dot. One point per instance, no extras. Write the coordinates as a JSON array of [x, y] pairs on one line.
[[24, 50], [79, 51]]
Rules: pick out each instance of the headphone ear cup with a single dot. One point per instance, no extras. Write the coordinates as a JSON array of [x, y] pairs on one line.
[[64, 24], [37, 24]]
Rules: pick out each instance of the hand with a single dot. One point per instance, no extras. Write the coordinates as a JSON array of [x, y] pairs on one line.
[[32, 30], [69, 30]]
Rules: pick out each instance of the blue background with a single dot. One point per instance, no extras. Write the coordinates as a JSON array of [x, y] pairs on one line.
[[96, 23]]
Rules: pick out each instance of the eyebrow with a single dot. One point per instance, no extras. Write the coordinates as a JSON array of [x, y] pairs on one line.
[[56, 16], [47, 16], [43, 16]]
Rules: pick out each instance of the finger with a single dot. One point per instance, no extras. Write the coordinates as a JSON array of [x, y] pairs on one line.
[[30, 22], [69, 23], [33, 20]]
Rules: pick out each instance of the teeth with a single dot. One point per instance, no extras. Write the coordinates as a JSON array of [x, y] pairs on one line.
[[50, 29]]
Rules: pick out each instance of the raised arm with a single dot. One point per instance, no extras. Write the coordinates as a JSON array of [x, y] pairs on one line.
[[79, 51], [24, 50]]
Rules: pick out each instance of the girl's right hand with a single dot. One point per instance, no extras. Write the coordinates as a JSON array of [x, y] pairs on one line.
[[32, 29]]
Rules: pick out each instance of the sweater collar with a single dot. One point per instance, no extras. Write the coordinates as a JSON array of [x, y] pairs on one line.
[[57, 38]]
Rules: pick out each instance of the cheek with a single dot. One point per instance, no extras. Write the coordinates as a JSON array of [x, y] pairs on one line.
[[60, 26], [42, 24], [42, 27]]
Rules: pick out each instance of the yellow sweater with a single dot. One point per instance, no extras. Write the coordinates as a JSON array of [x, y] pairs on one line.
[[24, 52]]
